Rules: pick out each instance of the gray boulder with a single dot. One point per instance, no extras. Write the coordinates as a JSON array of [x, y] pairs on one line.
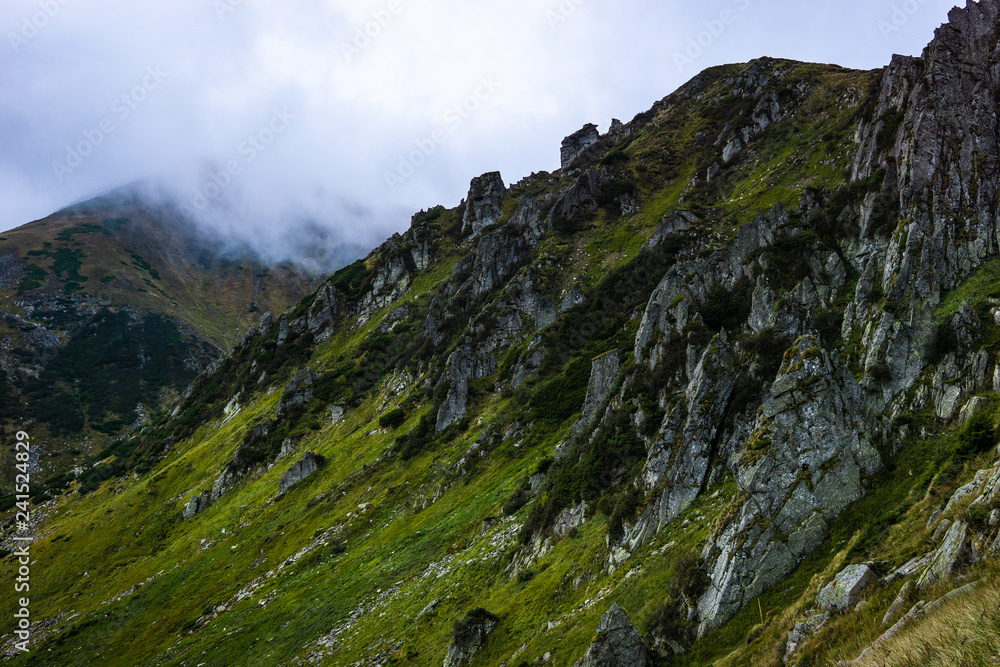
[[336, 414], [618, 643], [802, 632], [954, 551], [843, 592]]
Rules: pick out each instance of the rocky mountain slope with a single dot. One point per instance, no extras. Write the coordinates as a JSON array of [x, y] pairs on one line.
[[111, 307], [721, 390]]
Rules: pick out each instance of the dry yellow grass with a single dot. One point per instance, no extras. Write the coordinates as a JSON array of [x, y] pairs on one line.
[[963, 632]]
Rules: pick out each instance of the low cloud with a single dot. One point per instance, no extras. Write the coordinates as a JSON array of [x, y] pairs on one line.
[[267, 119]]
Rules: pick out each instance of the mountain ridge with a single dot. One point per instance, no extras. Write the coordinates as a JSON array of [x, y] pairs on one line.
[[734, 357]]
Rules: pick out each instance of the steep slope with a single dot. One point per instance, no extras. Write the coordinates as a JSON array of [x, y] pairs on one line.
[[721, 390], [109, 308]]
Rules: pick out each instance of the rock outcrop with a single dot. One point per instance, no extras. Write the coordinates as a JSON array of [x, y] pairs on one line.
[[618, 643], [325, 307], [801, 468], [458, 372], [603, 372], [304, 467], [578, 142], [844, 591], [297, 392], [469, 637], [484, 205], [198, 504]]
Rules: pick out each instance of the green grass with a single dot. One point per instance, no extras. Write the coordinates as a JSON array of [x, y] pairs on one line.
[[975, 289], [400, 533]]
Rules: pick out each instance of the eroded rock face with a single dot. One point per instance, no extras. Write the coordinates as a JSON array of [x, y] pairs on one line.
[[618, 643], [324, 308], [801, 468], [678, 462], [484, 205], [577, 142], [458, 372], [603, 372], [304, 467]]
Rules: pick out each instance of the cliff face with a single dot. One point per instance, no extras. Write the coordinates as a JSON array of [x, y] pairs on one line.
[[737, 357]]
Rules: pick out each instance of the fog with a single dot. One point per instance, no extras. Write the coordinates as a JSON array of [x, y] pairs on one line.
[[266, 118]]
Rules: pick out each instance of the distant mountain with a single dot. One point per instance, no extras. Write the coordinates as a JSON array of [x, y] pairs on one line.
[[109, 308]]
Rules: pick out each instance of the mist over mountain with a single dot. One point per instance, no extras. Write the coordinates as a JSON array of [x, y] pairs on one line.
[[719, 386]]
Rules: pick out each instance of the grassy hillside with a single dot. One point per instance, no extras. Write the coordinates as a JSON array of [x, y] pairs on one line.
[[109, 309], [406, 529]]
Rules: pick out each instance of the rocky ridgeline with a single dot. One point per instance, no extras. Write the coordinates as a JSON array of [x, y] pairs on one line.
[[755, 395]]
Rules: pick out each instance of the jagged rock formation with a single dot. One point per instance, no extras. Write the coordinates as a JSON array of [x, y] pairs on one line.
[[577, 142], [648, 380], [483, 206], [802, 466], [617, 643]]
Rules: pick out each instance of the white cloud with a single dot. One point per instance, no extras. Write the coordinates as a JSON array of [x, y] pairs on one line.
[[355, 116]]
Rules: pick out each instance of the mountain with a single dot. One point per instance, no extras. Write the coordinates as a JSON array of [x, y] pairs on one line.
[[111, 307], [722, 390]]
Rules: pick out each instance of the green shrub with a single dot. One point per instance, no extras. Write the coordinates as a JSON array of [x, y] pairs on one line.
[[467, 629], [524, 576], [517, 500], [977, 436], [944, 342], [728, 309], [625, 508], [828, 323], [393, 419]]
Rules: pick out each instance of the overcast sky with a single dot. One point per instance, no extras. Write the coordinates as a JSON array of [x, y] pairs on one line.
[[356, 113]]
